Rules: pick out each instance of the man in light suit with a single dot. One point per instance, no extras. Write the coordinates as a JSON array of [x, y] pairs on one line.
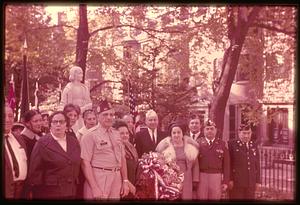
[[147, 139], [15, 159]]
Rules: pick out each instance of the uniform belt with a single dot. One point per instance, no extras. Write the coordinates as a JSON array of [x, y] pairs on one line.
[[212, 171], [108, 169]]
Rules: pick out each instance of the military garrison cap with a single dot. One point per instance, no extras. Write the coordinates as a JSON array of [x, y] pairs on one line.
[[209, 122], [244, 127], [103, 106]]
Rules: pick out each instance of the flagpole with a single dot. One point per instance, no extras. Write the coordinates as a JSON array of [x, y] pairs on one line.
[[25, 91], [129, 95], [36, 100]]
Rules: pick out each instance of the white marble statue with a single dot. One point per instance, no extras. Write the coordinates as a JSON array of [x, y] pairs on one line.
[[76, 92]]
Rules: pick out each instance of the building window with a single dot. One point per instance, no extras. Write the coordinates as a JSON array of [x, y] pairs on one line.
[[278, 131], [238, 115]]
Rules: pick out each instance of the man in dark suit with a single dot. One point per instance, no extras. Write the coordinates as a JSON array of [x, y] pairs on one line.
[[194, 133], [147, 139], [245, 165], [15, 159], [194, 127]]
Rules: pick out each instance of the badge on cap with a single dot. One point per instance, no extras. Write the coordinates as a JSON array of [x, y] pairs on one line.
[[209, 122]]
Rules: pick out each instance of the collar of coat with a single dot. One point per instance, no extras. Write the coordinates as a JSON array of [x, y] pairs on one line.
[[28, 133], [84, 130], [167, 148], [239, 142]]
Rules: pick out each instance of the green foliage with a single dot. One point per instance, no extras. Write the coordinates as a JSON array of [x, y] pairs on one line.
[[48, 52], [168, 34]]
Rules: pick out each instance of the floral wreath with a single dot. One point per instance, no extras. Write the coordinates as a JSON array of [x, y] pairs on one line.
[[158, 178]]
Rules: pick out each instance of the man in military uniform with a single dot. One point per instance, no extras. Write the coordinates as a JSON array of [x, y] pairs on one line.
[[245, 166], [103, 159], [213, 164]]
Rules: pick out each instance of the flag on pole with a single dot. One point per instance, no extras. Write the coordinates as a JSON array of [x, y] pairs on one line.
[[131, 99], [11, 98]]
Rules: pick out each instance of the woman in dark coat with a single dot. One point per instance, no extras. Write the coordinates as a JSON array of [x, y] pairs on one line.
[[130, 155], [33, 129], [55, 162]]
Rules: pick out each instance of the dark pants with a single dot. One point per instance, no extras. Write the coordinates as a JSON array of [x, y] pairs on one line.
[[18, 190], [242, 193], [79, 190]]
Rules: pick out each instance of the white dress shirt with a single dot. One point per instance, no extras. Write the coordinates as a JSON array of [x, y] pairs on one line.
[[61, 141], [210, 140], [196, 135], [151, 133], [20, 156]]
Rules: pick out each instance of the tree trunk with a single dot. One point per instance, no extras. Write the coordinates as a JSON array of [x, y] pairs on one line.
[[238, 26], [82, 39]]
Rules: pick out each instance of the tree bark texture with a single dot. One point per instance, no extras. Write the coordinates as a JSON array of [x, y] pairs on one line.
[[82, 39], [238, 25]]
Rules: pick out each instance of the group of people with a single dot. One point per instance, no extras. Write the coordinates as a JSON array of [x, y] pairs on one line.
[[100, 160], [81, 151]]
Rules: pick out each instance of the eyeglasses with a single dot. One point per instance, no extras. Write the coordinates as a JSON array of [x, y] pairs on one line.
[[55, 122]]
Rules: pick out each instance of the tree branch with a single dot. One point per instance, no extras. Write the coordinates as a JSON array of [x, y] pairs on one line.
[[230, 22], [54, 26], [138, 28], [133, 26], [274, 28], [101, 83]]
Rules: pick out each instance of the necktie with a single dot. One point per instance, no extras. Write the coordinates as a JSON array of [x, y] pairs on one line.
[[13, 157], [194, 136], [247, 145], [210, 142], [153, 137]]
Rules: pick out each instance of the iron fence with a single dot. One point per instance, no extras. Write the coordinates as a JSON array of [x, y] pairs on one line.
[[278, 169]]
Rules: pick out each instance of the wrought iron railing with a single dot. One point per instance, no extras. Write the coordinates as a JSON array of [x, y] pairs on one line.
[[278, 169]]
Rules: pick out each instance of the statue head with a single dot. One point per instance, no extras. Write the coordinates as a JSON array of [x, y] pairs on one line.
[[76, 74]]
